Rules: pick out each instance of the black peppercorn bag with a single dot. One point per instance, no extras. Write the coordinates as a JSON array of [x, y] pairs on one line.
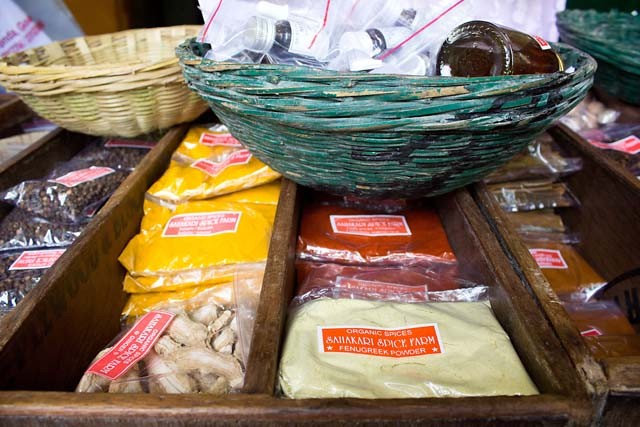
[[20, 272], [121, 154], [71, 194], [22, 230]]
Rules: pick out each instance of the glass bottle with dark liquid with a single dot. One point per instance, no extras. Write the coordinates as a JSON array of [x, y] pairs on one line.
[[479, 48]]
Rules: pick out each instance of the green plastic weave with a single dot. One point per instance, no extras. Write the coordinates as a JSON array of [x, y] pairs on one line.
[[613, 38], [383, 136]]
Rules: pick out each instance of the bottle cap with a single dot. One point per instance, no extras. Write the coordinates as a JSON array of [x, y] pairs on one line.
[[356, 40], [259, 34]]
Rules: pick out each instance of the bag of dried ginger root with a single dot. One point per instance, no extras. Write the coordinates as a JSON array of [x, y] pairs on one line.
[[191, 341]]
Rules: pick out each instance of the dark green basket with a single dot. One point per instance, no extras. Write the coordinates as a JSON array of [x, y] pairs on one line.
[[613, 38], [383, 136]]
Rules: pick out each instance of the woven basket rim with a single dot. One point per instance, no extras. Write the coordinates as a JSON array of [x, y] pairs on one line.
[[100, 68], [188, 58]]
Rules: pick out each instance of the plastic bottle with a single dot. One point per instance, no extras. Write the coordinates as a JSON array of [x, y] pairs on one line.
[[479, 48], [286, 40], [373, 41]]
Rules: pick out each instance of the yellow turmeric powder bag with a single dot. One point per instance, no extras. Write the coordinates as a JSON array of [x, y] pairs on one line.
[[191, 278], [206, 142], [199, 235], [204, 178]]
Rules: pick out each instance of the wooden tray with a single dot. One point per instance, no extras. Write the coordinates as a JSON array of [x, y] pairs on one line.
[[607, 222], [47, 342], [12, 112]]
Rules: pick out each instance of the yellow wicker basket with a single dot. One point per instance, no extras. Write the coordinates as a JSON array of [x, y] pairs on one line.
[[120, 84]]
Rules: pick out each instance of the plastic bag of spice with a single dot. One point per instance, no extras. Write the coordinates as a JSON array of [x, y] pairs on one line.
[[206, 178], [349, 347], [20, 272], [116, 153], [203, 235], [570, 276], [597, 318], [190, 278], [68, 195], [532, 195], [195, 341], [541, 159], [391, 283], [21, 230], [213, 142], [331, 233]]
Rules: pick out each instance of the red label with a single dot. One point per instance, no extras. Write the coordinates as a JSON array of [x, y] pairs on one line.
[[548, 258], [544, 45], [381, 288], [241, 157], [591, 332], [121, 143], [35, 260], [629, 145], [418, 340], [370, 225], [202, 224], [83, 175], [133, 346], [222, 139]]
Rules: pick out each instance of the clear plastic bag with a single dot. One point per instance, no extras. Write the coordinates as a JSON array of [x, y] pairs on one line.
[[532, 195], [204, 235], [71, 193], [542, 159], [594, 319], [333, 233], [120, 153], [213, 142], [205, 179], [21, 230], [20, 272], [570, 276], [362, 348], [191, 341]]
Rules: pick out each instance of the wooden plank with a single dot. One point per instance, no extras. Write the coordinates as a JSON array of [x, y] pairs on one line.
[[57, 329], [32, 408], [624, 374], [12, 111], [607, 218], [277, 289]]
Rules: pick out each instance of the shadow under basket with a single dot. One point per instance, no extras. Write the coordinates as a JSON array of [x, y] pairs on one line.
[[383, 136]]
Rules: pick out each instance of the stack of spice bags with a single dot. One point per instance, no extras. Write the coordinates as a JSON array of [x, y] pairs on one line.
[[381, 313], [194, 272], [531, 208], [51, 212]]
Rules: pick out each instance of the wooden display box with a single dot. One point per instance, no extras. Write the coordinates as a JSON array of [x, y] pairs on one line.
[[50, 338], [12, 112], [607, 223]]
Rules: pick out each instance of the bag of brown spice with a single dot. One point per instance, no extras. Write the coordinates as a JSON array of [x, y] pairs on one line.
[[69, 194], [20, 272], [22, 230]]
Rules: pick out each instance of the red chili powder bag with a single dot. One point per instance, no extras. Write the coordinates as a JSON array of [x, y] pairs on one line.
[[330, 233]]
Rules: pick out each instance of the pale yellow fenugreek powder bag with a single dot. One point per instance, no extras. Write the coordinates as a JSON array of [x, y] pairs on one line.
[[382, 350]]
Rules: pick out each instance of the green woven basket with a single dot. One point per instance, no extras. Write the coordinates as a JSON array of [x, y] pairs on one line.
[[613, 38], [383, 136]]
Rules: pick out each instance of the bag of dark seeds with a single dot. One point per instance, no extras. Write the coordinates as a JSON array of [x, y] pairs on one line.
[[71, 193], [22, 230], [122, 154], [20, 272]]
